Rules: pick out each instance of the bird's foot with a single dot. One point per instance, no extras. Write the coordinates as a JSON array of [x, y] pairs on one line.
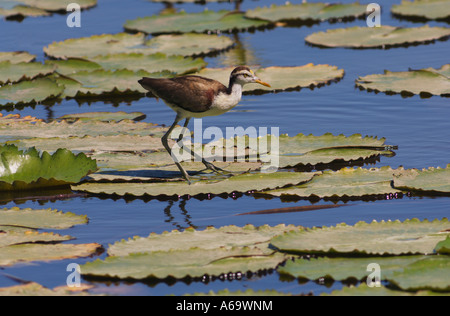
[[213, 168]]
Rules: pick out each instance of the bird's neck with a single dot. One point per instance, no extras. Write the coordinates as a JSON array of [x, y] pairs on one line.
[[234, 88]]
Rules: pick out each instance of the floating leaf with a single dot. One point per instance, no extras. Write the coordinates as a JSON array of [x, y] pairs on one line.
[[307, 12], [432, 180], [103, 117], [347, 182], [425, 9], [43, 252], [25, 92], [16, 57], [210, 238], [21, 71], [424, 82], [35, 289], [238, 183], [13, 8], [21, 170], [341, 269], [364, 290], [443, 247], [17, 238], [44, 219], [282, 78], [192, 263], [376, 238], [375, 37], [124, 43], [58, 5], [193, 22], [426, 274]]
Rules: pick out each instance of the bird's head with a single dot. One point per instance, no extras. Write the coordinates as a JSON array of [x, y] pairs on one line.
[[244, 75]]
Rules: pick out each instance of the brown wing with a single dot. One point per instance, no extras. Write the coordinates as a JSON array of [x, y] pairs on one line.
[[192, 93]]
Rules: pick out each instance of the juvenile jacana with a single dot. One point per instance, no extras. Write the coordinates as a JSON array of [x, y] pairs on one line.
[[195, 96]]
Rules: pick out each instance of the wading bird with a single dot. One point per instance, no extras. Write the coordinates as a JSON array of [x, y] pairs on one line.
[[195, 96]]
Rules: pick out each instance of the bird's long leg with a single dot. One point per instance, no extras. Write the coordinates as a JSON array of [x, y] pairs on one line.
[[166, 146], [186, 123]]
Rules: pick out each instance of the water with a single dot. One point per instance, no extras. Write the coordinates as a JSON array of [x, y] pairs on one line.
[[420, 127]]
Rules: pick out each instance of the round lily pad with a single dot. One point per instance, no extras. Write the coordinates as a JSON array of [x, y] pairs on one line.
[[58, 5], [307, 12], [16, 57], [423, 9], [424, 82], [13, 9], [224, 21], [108, 44], [431, 180], [282, 78], [22, 71], [377, 37]]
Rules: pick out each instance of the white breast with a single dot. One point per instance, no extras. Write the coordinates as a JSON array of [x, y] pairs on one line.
[[224, 102]]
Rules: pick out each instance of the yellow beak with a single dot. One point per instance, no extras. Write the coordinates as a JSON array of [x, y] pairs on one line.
[[262, 82]]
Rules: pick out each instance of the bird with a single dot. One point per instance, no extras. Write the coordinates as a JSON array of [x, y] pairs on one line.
[[196, 96]]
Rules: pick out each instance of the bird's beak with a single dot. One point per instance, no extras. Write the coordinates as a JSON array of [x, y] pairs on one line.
[[257, 80]]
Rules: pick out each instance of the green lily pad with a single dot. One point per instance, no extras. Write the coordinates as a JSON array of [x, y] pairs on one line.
[[58, 5], [424, 9], [341, 269], [27, 92], [282, 78], [44, 252], [193, 263], [432, 180], [130, 61], [238, 183], [16, 57], [103, 116], [210, 238], [377, 37], [24, 170], [124, 43], [35, 289], [307, 12], [22, 71], [424, 82], [443, 247], [364, 290], [224, 21], [426, 274], [347, 182], [15, 9], [44, 219], [375, 239]]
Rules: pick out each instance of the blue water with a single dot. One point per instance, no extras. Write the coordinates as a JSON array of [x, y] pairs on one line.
[[420, 127]]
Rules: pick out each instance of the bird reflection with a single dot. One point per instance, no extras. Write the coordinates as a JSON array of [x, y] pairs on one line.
[[187, 219]]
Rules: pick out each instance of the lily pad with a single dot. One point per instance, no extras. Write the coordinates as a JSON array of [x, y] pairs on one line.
[[422, 9], [431, 181], [238, 183], [17, 238], [12, 9], [374, 239], [364, 290], [27, 92], [22, 71], [193, 263], [210, 238], [377, 37], [35, 289], [307, 12], [58, 5], [104, 116], [124, 43], [341, 269], [224, 21], [282, 78], [347, 182], [24, 170], [44, 252], [16, 57], [424, 82], [44, 219], [427, 274]]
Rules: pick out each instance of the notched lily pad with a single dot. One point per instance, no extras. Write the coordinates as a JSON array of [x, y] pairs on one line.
[[24, 170], [282, 78], [27, 92], [422, 9], [367, 239], [17, 57], [377, 37], [429, 181], [10, 72], [306, 12], [58, 5], [424, 82], [124, 43], [224, 21]]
